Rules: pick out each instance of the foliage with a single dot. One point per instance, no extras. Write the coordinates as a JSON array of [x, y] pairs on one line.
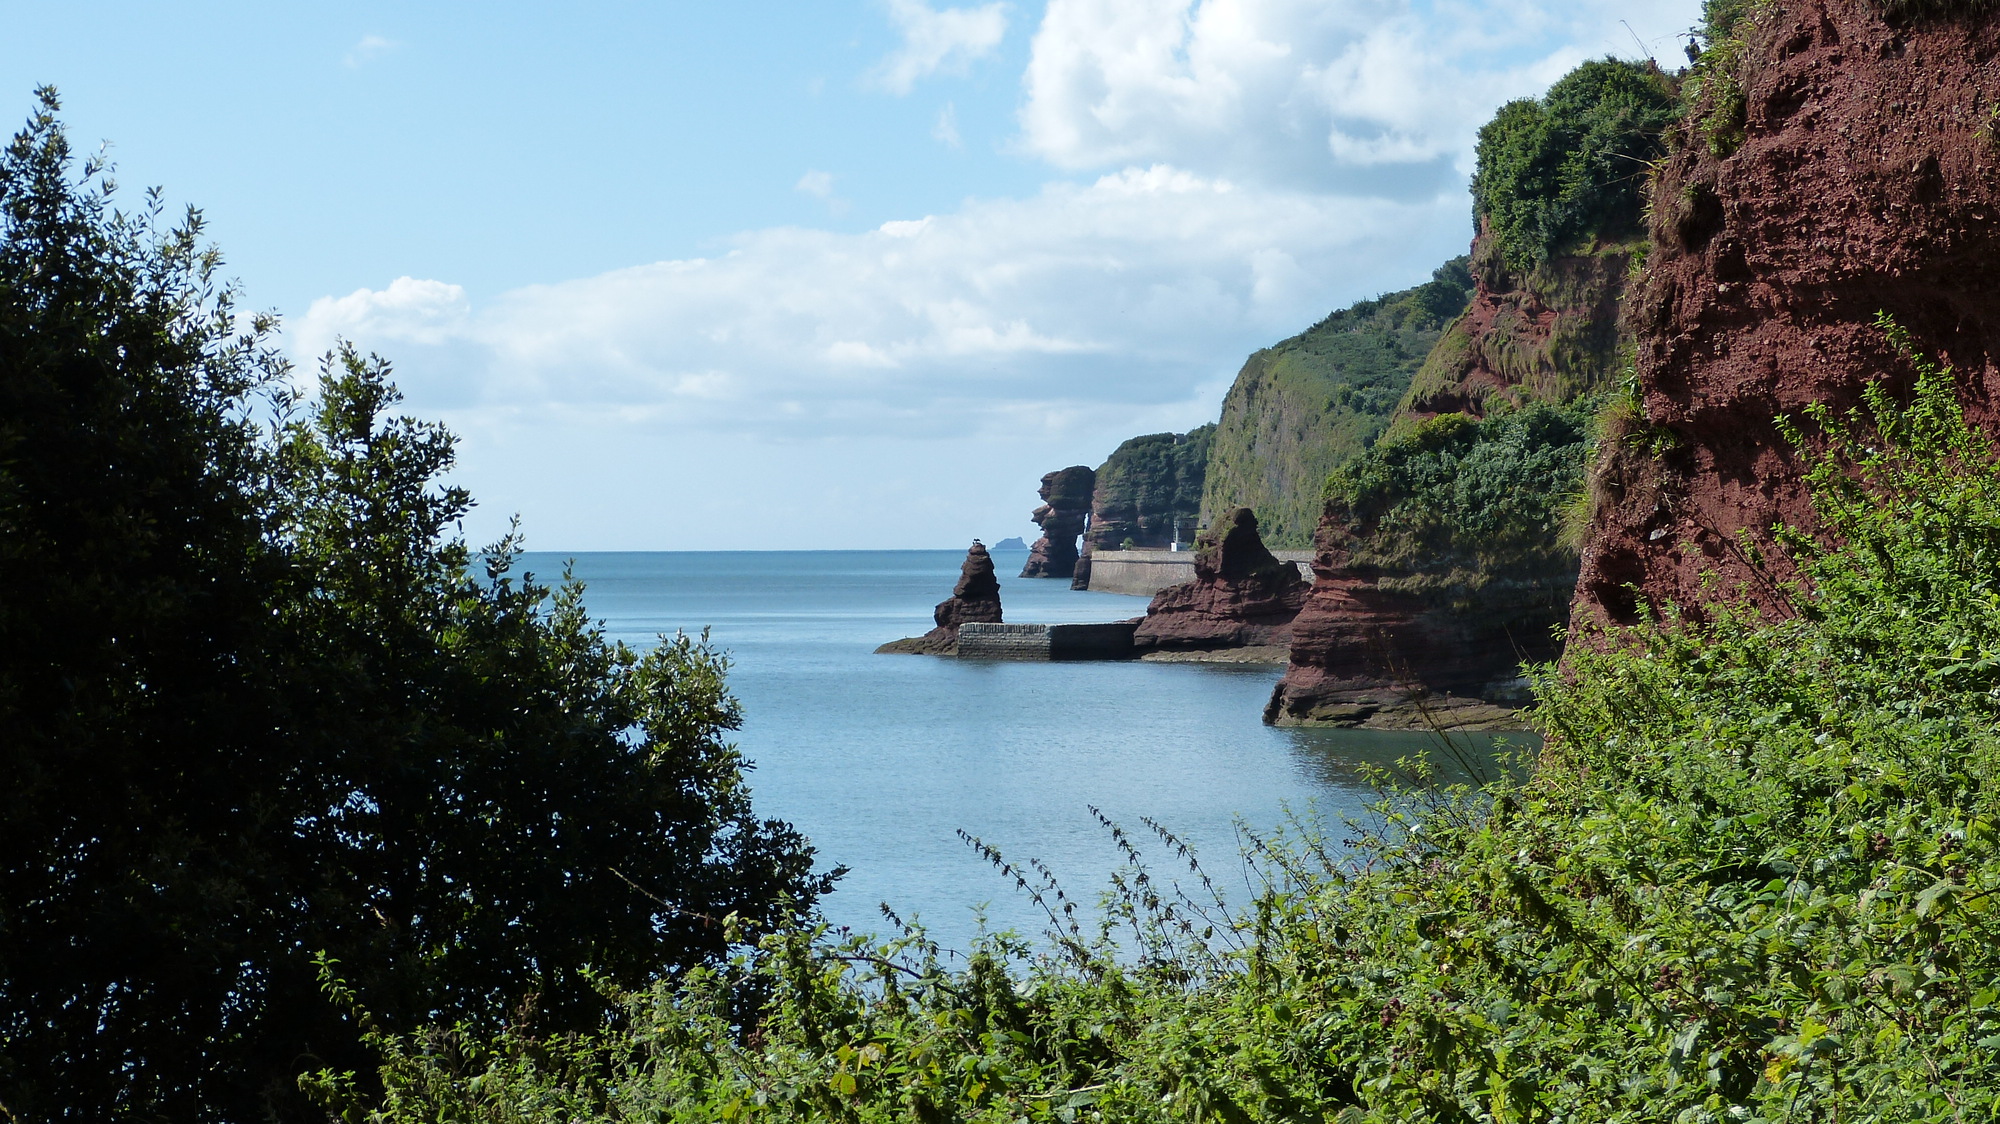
[[1149, 489], [1557, 172], [255, 704], [1459, 504], [1752, 878], [1303, 407]]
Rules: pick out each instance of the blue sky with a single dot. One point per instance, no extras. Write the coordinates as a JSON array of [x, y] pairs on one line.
[[794, 275]]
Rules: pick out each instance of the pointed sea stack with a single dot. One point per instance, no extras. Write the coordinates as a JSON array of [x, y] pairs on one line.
[[976, 597], [1064, 512], [1242, 594]]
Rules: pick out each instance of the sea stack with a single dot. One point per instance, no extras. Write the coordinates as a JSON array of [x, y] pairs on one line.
[[1065, 511], [1242, 595], [976, 597]]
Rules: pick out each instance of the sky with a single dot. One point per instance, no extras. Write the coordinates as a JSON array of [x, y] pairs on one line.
[[843, 274]]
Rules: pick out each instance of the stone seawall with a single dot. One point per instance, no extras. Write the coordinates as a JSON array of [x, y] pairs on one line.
[[1111, 641], [1146, 572]]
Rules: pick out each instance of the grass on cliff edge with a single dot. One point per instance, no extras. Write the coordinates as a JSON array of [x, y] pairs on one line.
[[1754, 876]]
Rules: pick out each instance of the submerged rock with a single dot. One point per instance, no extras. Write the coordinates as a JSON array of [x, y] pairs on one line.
[[1242, 594], [976, 597]]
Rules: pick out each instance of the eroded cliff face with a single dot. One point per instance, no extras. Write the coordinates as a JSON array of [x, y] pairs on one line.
[[1148, 492], [1302, 407], [1242, 595], [1862, 175], [1550, 332]]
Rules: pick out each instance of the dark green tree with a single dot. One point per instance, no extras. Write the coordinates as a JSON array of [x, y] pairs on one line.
[[1555, 172], [257, 704]]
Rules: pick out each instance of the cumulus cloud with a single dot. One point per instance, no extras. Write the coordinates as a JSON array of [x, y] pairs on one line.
[[1006, 316], [1228, 172], [1382, 96], [936, 41]]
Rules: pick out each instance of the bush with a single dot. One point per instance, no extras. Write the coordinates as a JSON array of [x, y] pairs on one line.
[[256, 705], [1556, 172], [1459, 503]]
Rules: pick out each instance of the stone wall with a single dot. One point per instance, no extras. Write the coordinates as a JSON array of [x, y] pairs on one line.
[[1146, 572], [1109, 641]]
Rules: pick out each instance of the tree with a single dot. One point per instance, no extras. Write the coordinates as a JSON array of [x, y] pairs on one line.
[[256, 706], [1556, 172]]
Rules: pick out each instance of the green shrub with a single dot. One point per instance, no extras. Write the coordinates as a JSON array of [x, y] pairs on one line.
[[1556, 172], [257, 702], [1459, 503]]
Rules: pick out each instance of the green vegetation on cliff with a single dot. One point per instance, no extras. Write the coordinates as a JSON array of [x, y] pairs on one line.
[[1558, 171], [1303, 407], [1149, 490], [1467, 511], [1754, 876]]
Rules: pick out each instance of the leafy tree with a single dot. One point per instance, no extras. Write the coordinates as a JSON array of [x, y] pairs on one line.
[[1555, 172], [256, 706]]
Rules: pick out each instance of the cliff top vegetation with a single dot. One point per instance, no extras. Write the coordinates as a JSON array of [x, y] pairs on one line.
[[1557, 171]]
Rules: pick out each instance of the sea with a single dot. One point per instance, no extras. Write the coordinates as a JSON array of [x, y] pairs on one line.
[[891, 763]]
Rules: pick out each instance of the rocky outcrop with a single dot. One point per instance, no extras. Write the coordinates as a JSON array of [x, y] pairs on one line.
[[1419, 615], [976, 597], [1365, 653], [1242, 595], [1846, 163], [1064, 513], [1302, 407], [1440, 560]]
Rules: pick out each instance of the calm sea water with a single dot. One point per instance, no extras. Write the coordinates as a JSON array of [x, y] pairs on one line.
[[882, 760]]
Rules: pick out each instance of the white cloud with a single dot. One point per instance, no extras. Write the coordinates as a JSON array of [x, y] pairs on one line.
[[936, 41], [1382, 96], [946, 129], [815, 183], [368, 49], [1239, 168], [1004, 317]]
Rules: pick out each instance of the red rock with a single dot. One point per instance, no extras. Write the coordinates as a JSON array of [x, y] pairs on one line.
[[1242, 595], [1064, 512], [976, 597], [1869, 180], [1365, 655]]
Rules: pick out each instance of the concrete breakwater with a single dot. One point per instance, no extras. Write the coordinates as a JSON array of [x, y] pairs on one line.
[[1146, 572], [1109, 641]]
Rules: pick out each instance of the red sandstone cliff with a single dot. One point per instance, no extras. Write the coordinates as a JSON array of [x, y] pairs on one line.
[[1867, 180], [1379, 645], [1241, 596]]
